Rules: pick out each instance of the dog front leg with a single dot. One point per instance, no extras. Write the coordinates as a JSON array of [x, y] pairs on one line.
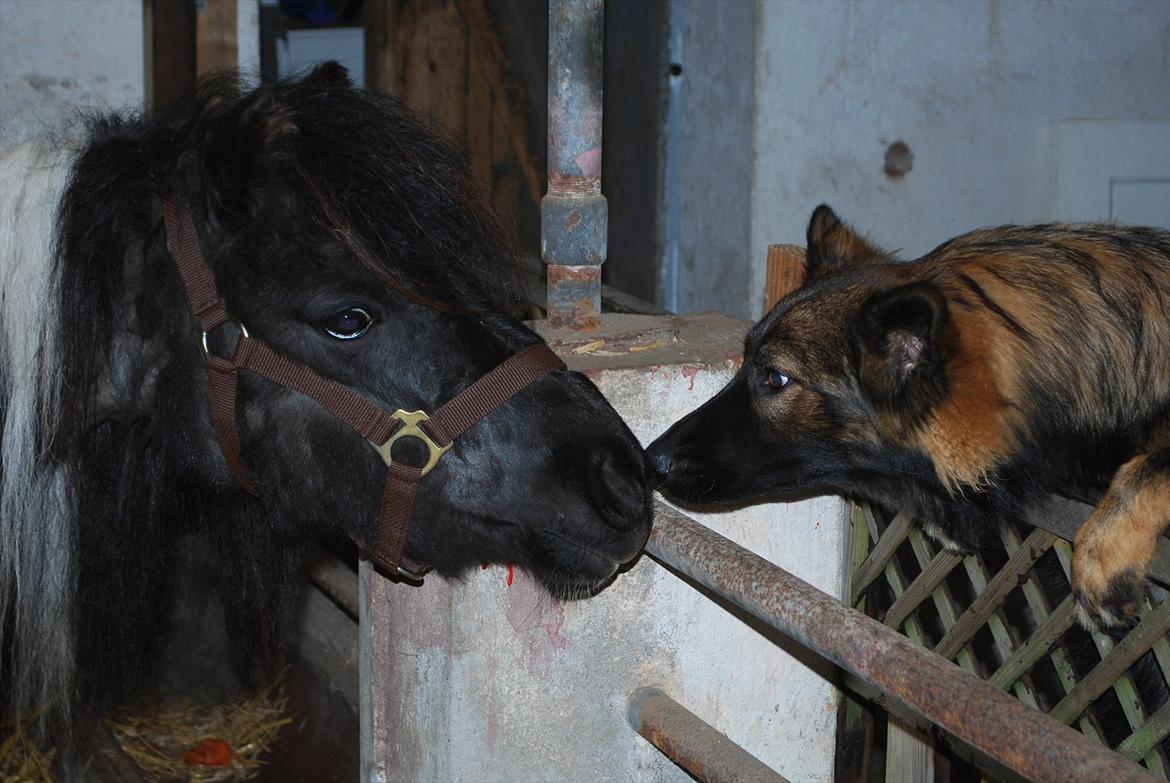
[[1113, 549]]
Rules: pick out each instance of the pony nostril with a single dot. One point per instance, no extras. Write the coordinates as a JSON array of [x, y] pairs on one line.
[[617, 487]]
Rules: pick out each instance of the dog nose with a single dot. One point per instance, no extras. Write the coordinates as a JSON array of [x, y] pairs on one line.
[[662, 462], [617, 487]]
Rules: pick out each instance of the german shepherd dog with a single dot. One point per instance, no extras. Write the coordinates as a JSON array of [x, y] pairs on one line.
[[1004, 365]]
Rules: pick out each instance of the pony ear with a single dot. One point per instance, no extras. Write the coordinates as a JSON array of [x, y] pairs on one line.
[[329, 72], [831, 243], [899, 335]]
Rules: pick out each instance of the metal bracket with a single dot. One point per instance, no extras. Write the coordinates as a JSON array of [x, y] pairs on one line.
[[411, 428]]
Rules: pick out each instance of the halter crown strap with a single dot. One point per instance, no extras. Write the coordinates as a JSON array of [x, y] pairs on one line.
[[373, 423]]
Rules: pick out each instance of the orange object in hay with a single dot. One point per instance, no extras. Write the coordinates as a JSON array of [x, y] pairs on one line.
[[210, 752]]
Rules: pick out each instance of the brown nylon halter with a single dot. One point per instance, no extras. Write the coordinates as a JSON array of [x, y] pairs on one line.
[[380, 427]]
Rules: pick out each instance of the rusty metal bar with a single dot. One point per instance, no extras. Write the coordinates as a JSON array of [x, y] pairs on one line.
[[1002, 731], [694, 745], [574, 214]]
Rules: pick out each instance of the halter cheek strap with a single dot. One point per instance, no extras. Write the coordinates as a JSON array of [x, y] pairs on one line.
[[379, 427]]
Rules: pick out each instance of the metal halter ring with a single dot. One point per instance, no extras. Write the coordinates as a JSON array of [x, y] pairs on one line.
[[410, 575], [240, 324], [410, 429]]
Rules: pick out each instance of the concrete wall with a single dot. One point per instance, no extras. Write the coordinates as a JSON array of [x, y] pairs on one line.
[[57, 57], [975, 89], [707, 216]]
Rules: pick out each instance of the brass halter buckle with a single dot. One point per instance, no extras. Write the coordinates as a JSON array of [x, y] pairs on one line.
[[411, 421]]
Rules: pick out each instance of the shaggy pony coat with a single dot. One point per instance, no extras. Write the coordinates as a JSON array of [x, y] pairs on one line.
[[308, 196]]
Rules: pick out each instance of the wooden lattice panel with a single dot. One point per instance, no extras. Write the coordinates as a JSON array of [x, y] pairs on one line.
[[1007, 615]]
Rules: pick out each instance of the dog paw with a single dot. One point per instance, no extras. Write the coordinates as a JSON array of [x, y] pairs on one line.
[[1111, 604]]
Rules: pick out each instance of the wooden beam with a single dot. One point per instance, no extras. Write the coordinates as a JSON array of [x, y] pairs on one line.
[[786, 273], [450, 59], [215, 36], [171, 41]]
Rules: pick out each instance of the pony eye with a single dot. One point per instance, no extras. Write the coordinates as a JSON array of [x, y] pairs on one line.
[[349, 324], [776, 379]]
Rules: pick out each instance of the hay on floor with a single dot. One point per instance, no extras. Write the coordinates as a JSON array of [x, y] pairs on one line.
[[160, 739], [21, 760]]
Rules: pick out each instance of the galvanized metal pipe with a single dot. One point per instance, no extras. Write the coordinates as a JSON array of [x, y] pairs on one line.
[[574, 214], [999, 728], [688, 741]]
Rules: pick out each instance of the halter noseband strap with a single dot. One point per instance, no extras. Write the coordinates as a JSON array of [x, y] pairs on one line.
[[380, 427]]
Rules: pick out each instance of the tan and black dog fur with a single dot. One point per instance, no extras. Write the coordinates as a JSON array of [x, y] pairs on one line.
[[1006, 364]]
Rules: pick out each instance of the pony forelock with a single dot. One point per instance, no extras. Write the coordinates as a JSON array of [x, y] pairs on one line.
[[37, 550]]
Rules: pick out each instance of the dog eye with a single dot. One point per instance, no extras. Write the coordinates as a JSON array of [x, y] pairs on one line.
[[349, 324], [776, 379]]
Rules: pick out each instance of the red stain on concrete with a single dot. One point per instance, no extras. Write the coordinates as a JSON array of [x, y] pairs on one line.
[[536, 618]]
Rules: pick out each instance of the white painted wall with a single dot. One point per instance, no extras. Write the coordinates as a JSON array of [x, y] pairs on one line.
[[57, 57], [976, 89]]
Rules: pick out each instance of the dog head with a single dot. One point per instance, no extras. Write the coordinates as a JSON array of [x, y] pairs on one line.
[[847, 382]]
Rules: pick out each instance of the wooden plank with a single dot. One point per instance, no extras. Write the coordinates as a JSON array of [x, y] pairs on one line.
[[1157, 758], [455, 62], [884, 548], [993, 595], [944, 602], [909, 753], [1154, 625], [921, 588], [1005, 641], [786, 272], [1122, 685], [171, 41], [1037, 600], [858, 550], [1139, 744], [215, 36], [1025, 657], [977, 574], [1125, 691]]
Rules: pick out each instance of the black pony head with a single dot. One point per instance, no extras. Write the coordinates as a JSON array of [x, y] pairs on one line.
[[349, 235]]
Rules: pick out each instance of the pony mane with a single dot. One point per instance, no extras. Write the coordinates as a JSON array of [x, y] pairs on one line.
[[36, 532], [389, 184], [90, 507]]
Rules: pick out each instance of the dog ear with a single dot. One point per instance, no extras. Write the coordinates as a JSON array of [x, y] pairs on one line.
[[831, 243], [899, 335]]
